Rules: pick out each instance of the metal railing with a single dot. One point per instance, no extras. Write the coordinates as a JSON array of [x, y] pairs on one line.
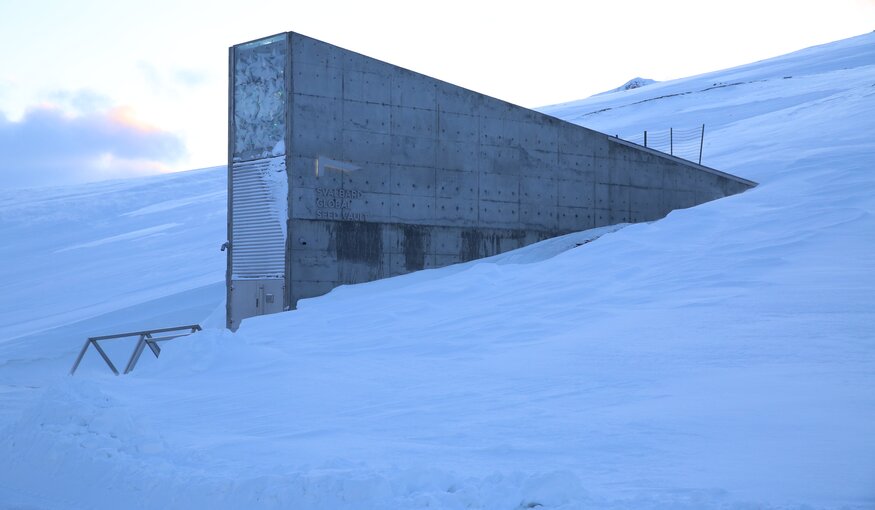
[[146, 338], [683, 143]]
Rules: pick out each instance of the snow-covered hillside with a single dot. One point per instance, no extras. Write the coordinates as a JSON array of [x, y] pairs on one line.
[[723, 357]]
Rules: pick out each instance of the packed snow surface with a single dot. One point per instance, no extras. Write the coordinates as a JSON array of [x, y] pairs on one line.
[[723, 357]]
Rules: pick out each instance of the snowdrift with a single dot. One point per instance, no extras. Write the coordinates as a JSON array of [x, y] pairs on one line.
[[723, 357]]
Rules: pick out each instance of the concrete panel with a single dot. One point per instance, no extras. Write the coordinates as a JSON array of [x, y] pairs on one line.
[[446, 242], [618, 216], [603, 168], [434, 174], [571, 218], [499, 110], [620, 200], [360, 116], [602, 196], [415, 122], [576, 141], [302, 172], [412, 209], [374, 207], [499, 160], [413, 180], [366, 86], [317, 126], [318, 80], [647, 176], [306, 50], [328, 178], [462, 127], [443, 260], [576, 163], [358, 241], [577, 193], [457, 184], [539, 162], [355, 272], [499, 132], [302, 289], [499, 214], [703, 196], [392, 239], [365, 147], [311, 235], [456, 211], [316, 112], [539, 136], [644, 202], [485, 242], [314, 265], [455, 99], [403, 264], [538, 216], [413, 90], [539, 190], [303, 201], [413, 150], [499, 187], [371, 177], [457, 155]]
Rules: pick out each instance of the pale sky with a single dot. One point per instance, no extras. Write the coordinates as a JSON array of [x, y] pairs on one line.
[[95, 89]]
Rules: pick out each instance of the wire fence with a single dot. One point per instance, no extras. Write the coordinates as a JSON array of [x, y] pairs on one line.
[[683, 143]]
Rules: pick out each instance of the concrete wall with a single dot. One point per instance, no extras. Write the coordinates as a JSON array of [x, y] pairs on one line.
[[428, 174], [448, 175]]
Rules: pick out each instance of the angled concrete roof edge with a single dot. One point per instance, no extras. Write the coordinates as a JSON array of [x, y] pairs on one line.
[[704, 168], [540, 114], [536, 112]]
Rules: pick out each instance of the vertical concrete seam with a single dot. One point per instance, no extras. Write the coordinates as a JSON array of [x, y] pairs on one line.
[[477, 159], [228, 284], [391, 162], [290, 133], [434, 166]]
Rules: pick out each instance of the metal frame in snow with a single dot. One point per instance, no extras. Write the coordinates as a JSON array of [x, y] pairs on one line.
[[146, 338]]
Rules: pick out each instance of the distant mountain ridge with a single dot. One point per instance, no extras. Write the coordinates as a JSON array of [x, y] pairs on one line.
[[634, 83]]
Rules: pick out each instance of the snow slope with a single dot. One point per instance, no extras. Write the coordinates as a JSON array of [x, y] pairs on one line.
[[723, 357]]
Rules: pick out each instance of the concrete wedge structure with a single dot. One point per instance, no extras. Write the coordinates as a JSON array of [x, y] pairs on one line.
[[345, 169]]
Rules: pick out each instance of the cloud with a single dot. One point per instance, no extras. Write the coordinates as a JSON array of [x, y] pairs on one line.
[[172, 82], [191, 77], [81, 101], [51, 146]]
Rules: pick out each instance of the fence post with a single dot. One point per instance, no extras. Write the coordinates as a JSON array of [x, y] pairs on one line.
[[701, 143], [645, 138]]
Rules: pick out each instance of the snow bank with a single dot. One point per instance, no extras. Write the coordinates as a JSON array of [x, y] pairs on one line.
[[722, 357]]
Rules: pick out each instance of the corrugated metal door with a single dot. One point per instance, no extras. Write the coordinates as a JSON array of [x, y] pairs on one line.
[[258, 230], [258, 196]]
